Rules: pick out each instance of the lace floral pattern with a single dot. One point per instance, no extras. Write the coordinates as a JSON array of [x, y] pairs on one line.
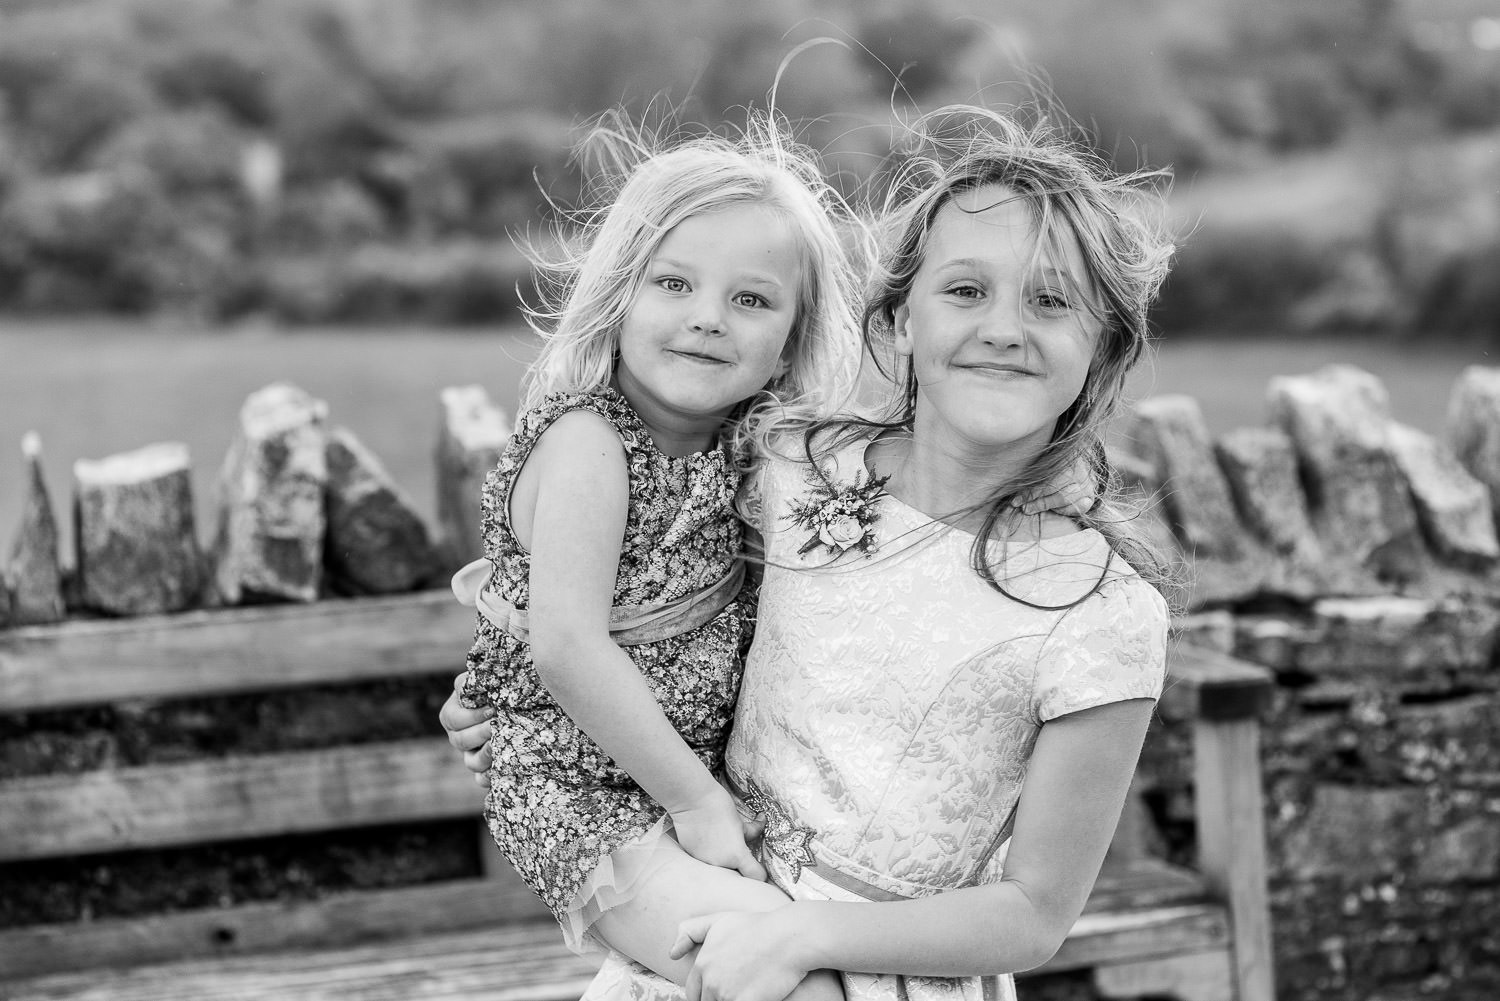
[[558, 805]]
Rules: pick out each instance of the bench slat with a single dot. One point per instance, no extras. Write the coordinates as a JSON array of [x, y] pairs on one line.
[[154, 806], [222, 651], [520, 963], [342, 919]]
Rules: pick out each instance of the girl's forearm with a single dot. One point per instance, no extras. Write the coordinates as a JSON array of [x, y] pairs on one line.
[[978, 931], [603, 692]]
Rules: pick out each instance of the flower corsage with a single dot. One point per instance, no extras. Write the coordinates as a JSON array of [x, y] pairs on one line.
[[840, 519]]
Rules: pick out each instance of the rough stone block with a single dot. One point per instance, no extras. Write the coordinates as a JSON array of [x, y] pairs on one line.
[[470, 438], [1467, 851], [1384, 821], [271, 522], [137, 545], [1212, 630], [1359, 502], [1398, 635], [1260, 466], [375, 542], [1227, 565], [1453, 507], [1474, 424], [34, 573]]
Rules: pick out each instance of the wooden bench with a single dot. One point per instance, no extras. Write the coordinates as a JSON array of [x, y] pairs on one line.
[[1150, 928]]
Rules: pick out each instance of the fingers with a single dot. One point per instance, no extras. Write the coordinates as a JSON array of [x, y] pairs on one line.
[[750, 868], [694, 986], [753, 829], [458, 681], [690, 934]]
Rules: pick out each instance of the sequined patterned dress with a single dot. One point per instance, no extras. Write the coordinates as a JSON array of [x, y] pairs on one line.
[[559, 808], [891, 702]]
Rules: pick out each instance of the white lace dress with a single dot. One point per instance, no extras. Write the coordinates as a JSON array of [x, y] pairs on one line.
[[891, 701]]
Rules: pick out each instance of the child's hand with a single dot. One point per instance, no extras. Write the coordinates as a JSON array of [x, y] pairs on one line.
[[714, 832], [1070, 493], [469, 731], [742, 956]]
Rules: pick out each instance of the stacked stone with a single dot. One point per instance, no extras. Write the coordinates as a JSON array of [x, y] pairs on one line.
[[471, 435], [1334, 498], [303, 511], [1379, 613]]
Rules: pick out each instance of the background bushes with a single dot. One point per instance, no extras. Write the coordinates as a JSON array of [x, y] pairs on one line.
[[329, 160]]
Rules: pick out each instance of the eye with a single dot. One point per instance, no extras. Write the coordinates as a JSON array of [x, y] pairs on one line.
[[671, 283], [1052, 301], [964, 290], [751, 300]]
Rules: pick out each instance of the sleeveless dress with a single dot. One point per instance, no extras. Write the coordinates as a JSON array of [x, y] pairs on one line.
[[560, 810], [892, 699]]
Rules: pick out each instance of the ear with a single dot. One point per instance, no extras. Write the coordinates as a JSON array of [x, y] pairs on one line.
[[900, 321], [788, 353]]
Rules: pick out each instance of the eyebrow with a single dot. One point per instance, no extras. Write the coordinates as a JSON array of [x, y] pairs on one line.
[[751, 278], [976, 263]]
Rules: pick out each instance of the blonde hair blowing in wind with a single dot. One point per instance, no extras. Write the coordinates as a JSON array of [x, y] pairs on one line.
[[1117, 221], [641, 187]]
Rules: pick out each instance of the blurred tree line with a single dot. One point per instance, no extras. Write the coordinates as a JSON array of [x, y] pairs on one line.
[[370, 160]]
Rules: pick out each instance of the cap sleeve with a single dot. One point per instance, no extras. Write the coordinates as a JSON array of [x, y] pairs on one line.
[[1109, 648]]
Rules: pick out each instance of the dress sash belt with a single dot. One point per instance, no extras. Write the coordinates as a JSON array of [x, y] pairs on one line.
[[629, 625]]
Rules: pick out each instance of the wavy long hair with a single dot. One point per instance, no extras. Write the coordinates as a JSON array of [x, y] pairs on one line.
[[1116, 221]]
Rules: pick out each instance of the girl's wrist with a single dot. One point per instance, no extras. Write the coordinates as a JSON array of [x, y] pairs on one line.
[[805, 933]]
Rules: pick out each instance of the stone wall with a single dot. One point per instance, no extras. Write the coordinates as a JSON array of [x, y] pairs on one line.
[[1356, 557], [1353, 555], [303, 510]]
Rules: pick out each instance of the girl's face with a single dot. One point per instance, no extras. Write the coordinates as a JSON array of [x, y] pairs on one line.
[[709, 327], [996, 327]]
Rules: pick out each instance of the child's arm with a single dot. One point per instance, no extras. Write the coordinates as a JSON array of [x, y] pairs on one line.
[[1075, 788], [578, 495]]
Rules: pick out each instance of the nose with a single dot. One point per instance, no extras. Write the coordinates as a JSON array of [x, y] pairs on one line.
[[1003, 325], [707, 318]]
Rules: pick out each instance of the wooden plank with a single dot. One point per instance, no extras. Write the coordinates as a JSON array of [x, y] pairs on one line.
[[343, 919], [1229, 805], [1200, 976], [1205, 684], [510, 963], [237, 797], [232, 650], [517, 962], [1137, 883], [1115, 936]]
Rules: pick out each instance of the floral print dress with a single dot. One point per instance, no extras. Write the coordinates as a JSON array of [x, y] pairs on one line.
[[559, 808]]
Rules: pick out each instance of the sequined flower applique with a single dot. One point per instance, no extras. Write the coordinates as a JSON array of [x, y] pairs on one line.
[[840, 519], [782, 838]]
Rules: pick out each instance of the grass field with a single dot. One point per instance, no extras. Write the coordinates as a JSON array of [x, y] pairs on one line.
[[92, 390]]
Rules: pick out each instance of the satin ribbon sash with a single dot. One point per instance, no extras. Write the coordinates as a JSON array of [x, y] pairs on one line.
[[629, 625]]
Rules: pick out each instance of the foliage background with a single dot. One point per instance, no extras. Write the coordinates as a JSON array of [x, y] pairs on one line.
[[344, 161]]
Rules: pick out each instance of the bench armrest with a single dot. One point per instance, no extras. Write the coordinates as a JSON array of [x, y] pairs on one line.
[[1225, 698]]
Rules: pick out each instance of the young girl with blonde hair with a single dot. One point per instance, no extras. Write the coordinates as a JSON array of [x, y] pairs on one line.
[[708, 303]]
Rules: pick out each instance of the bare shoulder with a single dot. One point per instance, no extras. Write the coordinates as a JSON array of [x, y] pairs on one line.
[[579, 436]]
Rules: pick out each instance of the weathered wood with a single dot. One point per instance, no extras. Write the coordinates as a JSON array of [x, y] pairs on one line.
[[1232, 844], [1199, 976], [1133, 884], [342, 919], [525, 962], [233, 650], [238, 797], [521, 961], [1116, 936], [1204, 684]]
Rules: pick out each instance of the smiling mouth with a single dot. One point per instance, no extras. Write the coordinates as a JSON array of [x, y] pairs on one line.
[[992, 369], [701, 359]]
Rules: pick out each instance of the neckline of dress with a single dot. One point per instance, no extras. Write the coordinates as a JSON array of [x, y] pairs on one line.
[[638, 424], [915, 514]]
